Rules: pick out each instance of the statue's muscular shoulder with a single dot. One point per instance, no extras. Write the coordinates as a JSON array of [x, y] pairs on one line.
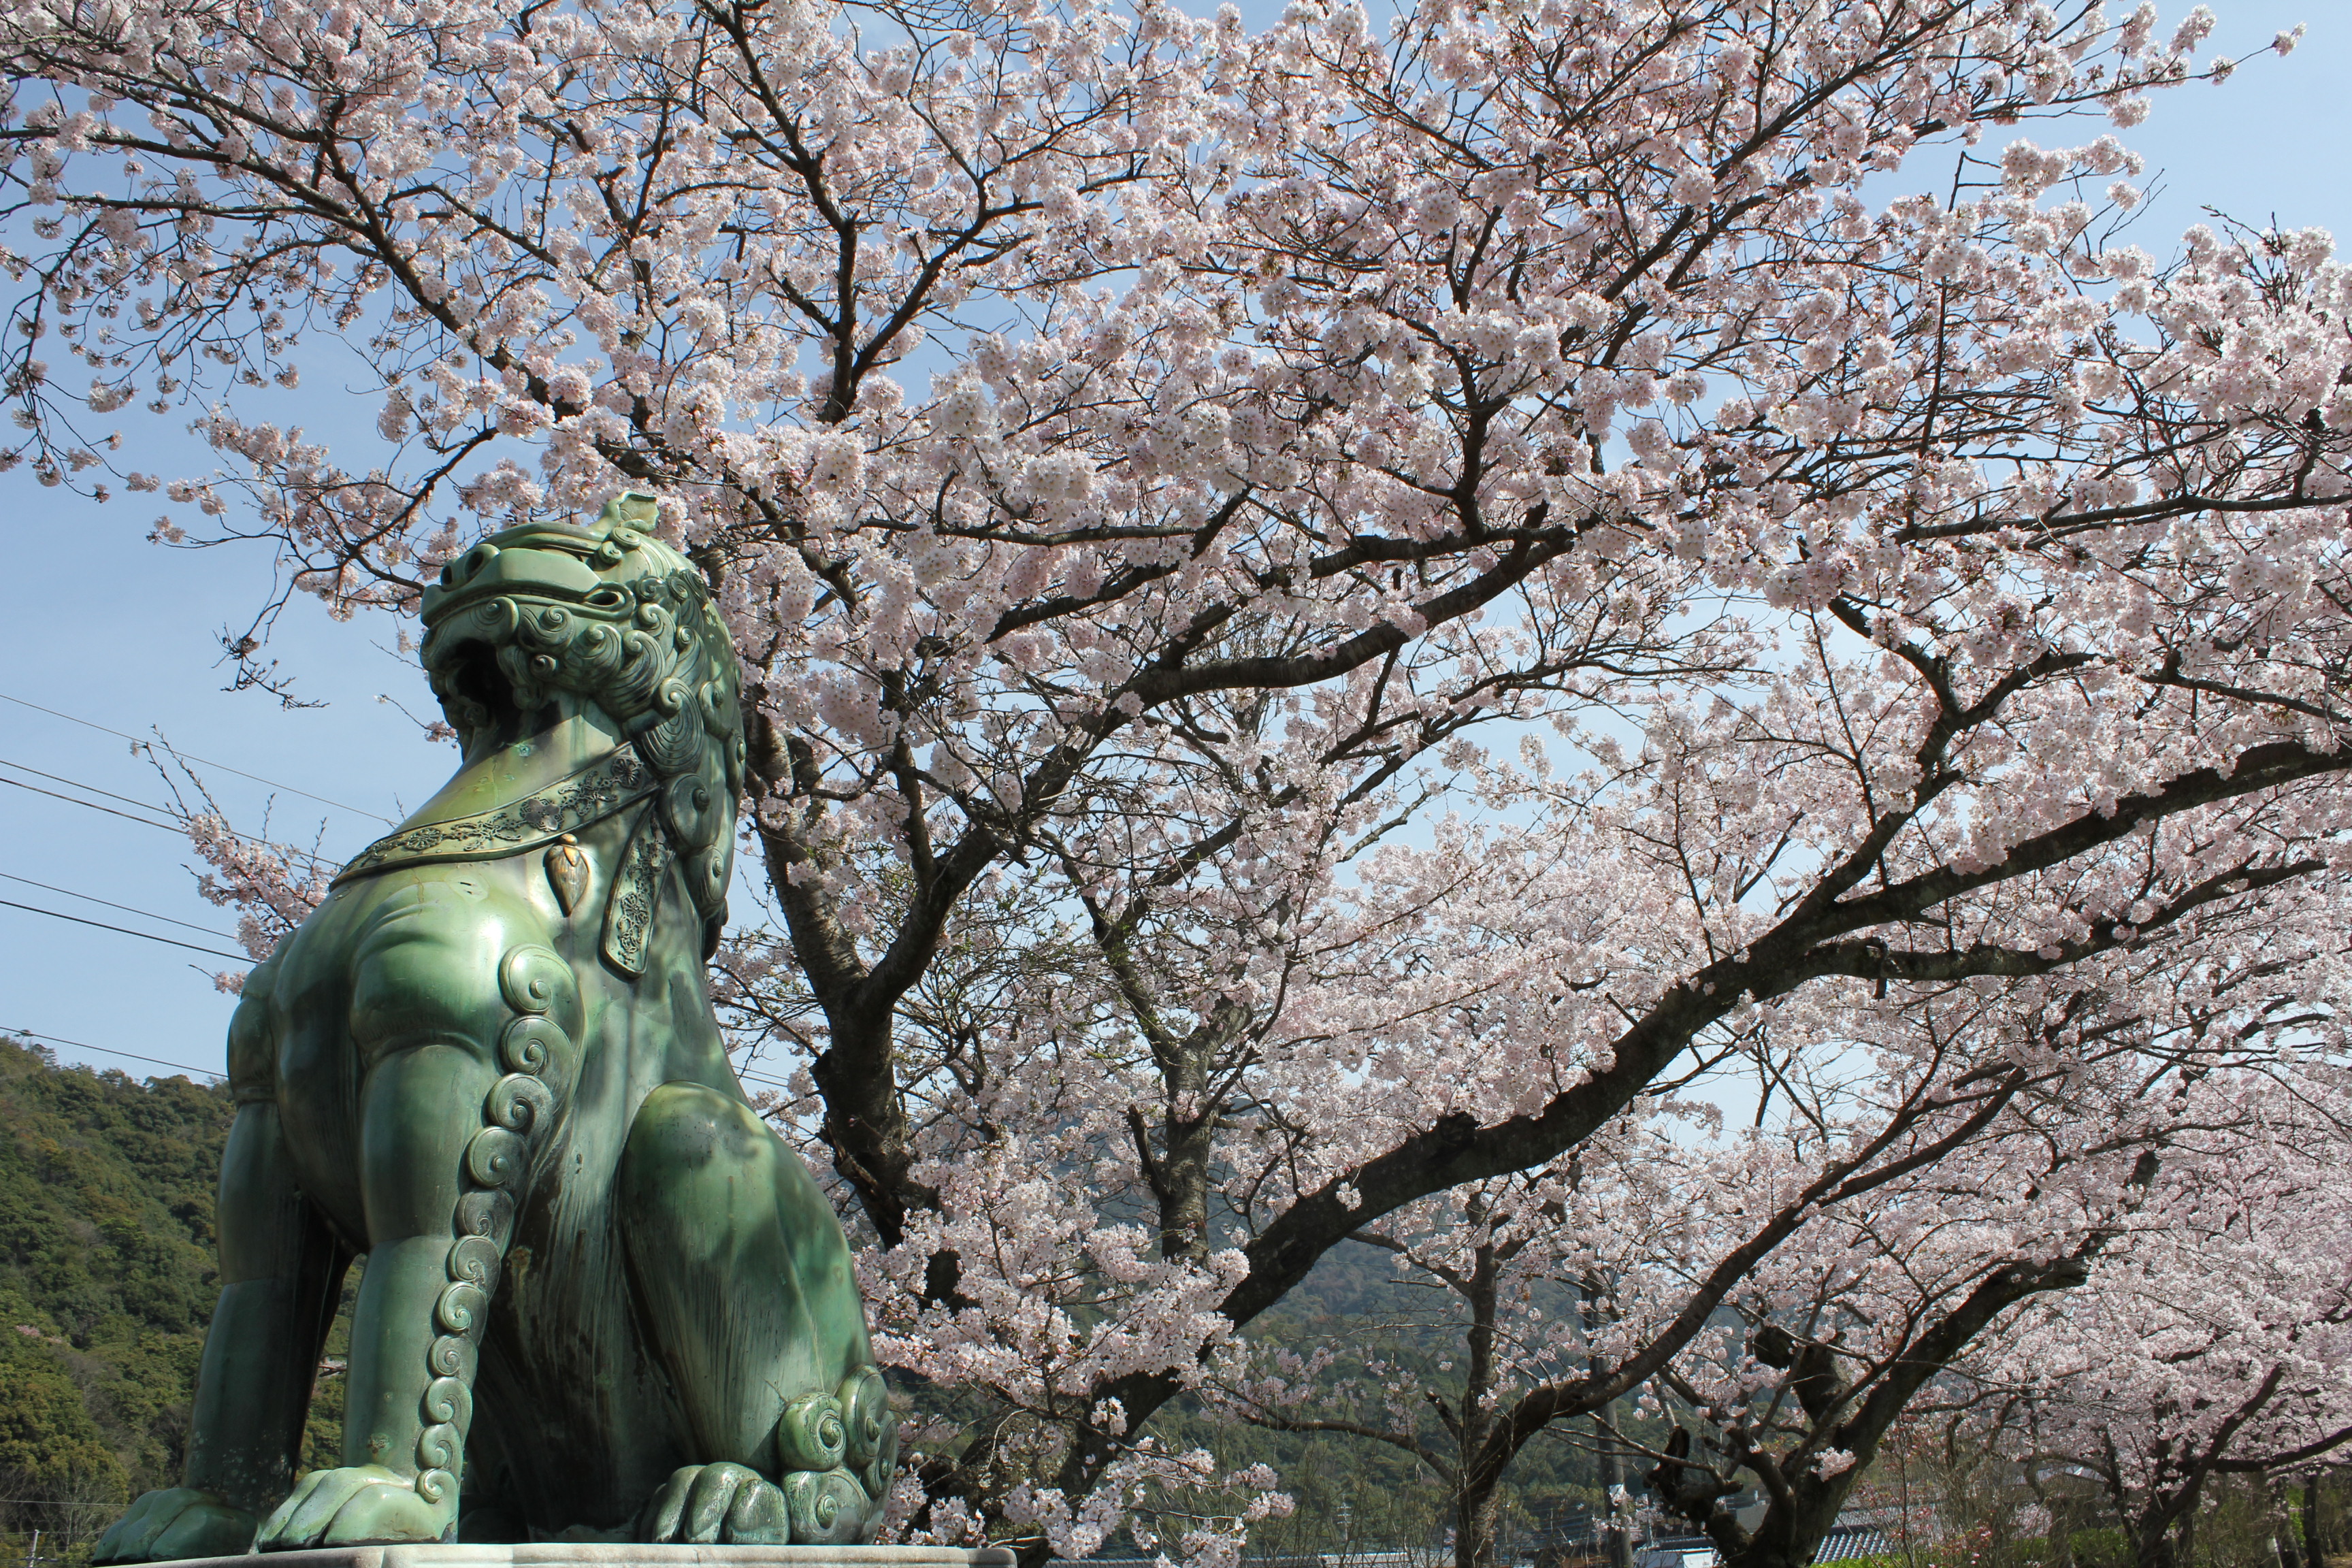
[[405, 958], [425, 957]]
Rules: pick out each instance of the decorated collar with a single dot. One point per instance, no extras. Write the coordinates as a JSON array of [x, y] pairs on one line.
[[606, 786]]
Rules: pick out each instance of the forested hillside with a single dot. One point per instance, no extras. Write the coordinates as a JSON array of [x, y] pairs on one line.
[[106, 1279], [1354, 1492]]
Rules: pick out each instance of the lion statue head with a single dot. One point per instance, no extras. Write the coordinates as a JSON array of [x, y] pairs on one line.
[[610, 614]]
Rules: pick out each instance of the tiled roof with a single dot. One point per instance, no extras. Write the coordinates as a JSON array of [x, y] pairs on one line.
[[1851, 1542]]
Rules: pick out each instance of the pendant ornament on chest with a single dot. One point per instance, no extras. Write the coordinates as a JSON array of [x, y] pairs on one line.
[[567, 872]]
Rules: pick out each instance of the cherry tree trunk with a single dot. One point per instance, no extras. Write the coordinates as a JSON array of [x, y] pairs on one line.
[[1792, 1530], [2166, 1546], [1475, 1506], [1610, 1463]]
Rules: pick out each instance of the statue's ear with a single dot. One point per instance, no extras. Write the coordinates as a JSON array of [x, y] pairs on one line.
[[634, 509]]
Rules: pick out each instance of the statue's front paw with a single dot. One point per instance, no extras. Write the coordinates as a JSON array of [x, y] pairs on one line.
[[178, 1522], [356, 1505], [706, 1504]]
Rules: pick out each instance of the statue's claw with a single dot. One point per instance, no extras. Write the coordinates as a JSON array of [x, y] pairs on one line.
[[179, 1521], [355, 1505], [704, 1505]]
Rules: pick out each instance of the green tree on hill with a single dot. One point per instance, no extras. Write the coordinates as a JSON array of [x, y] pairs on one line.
[[107, 1277]]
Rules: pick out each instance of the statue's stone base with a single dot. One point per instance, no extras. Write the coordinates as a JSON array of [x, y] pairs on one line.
[[615, 1554]]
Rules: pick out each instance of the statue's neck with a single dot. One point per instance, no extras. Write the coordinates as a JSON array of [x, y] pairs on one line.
[[500, 769]]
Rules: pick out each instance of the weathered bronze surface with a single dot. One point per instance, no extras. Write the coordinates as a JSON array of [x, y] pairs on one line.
[[603, 1300]]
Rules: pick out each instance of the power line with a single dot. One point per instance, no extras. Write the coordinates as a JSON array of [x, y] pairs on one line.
[[104, 1051], [126, 931], [111, 904], [77, 784], [91, 804], [175, 827], [757, 1078], [191, 756]]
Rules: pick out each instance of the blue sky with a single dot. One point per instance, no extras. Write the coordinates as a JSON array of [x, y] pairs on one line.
[[116, 632]]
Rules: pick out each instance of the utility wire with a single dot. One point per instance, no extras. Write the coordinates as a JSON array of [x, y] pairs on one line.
[[191, 756], [93, 805], [176, 827], [126, 931], [111, 904], [101, 1050], [77, 784], [758, 1077]]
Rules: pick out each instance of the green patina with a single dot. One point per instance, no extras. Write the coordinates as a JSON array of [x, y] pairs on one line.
[[602, 1299]]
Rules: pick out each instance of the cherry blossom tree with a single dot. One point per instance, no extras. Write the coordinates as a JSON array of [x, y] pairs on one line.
[[1866, 1250], [2215, 1345], [2006, 1121], [1932, 589]]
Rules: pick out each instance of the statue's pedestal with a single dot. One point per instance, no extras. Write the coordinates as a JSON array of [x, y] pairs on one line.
[[615, 1554]]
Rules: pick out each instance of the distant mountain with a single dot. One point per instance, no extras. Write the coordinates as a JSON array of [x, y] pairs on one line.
[[106, 1281], [1355, 1494]]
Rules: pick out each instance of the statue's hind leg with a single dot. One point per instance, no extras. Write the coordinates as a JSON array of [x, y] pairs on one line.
[[743, 1281]]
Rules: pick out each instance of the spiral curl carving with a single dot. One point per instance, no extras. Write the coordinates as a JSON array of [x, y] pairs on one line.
[[596, 653], [876, 1474], [632, 684], [519, 1107], [438, 1447], [475, 1260], [673, 745], [865, 1403], [534, 1045], [461, 1306], [520, 1103], [498, 619], [534, 978], [719, 710], [707, 873], [810, 1435], [828, 1507], [452, 1355], [495, 1156], [450, 1402], [486, 1214]]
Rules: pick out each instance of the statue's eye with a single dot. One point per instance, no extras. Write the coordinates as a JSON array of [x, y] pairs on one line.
[[606, 598], [465, 565]]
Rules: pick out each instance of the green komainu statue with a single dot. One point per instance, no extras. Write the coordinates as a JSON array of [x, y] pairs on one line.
[[602, 1298]]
